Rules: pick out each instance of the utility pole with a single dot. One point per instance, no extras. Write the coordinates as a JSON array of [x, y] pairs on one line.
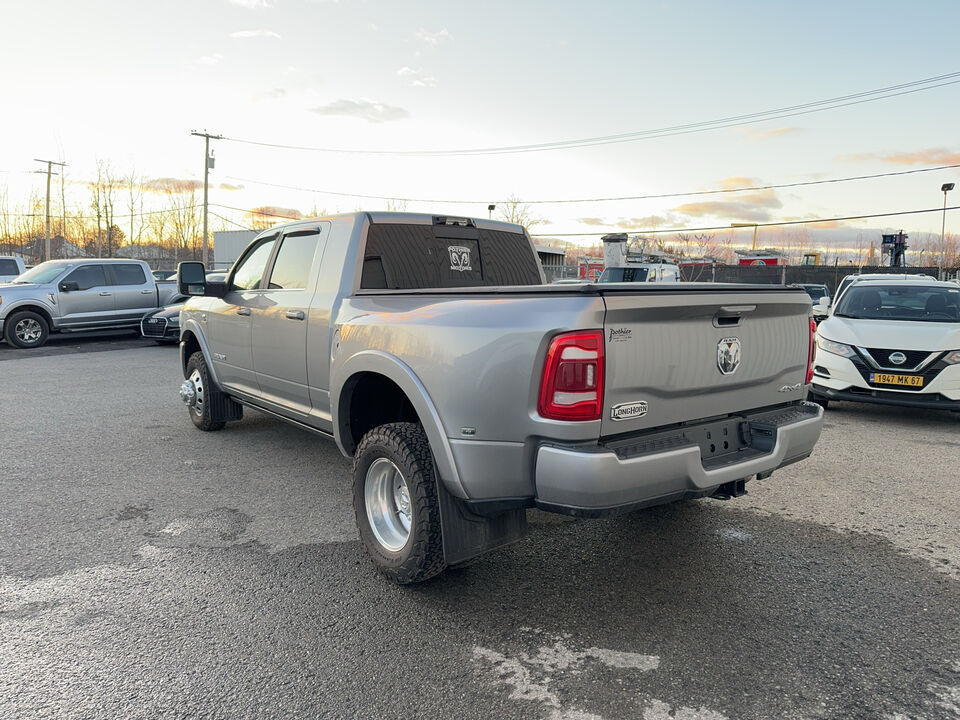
[[207, 164], [50, 164]]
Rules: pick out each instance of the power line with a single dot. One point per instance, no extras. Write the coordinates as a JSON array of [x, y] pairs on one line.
[[232, 222], [782, 223], [128, 215], [731, 121], [690, 193], [264, 213]]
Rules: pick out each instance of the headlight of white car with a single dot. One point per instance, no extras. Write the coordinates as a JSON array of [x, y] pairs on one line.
[[953, 358], [834, 347]]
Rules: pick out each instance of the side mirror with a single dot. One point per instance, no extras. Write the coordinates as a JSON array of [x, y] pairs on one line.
[[191, 279], [826, 300], [69, 286]]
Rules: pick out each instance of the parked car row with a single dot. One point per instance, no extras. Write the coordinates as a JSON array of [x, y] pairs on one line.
[[78, 294]]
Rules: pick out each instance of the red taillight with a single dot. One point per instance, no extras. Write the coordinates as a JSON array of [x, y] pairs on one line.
[[812, 352], [571, 387]]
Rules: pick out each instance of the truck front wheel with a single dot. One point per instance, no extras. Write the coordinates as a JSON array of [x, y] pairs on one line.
[[26, 329], [200, 395], [395, 503]]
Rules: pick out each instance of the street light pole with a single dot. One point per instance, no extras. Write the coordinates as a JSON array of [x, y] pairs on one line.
[[47, 239], [945, 188], [206, 182]]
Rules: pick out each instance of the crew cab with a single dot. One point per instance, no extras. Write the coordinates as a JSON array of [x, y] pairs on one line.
[[78, 294], [466, 390]]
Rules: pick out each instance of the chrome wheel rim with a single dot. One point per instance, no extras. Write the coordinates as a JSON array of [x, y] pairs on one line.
[[199, 398], [28, 330], [387, 499]]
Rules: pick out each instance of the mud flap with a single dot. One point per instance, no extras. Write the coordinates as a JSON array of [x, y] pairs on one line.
[[467, 535]]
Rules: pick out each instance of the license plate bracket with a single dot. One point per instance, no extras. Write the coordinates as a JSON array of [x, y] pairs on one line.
[[717, 439]]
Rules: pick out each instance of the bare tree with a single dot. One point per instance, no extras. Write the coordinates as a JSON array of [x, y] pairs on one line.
[[185, 216], [516, 211]]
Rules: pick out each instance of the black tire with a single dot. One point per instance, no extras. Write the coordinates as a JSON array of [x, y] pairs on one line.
[[26, 330], [208, 396], [405, 445]]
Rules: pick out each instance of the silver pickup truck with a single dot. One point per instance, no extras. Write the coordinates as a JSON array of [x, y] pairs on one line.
[[78, 294], [466, 390]]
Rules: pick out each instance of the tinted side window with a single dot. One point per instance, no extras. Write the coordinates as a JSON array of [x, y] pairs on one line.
[[9, 267], [251, 268], [87, 276], [129, 274], [291, 270], [408, 257]]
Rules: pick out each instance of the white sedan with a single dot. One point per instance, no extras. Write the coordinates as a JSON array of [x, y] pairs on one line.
[[895, 343]]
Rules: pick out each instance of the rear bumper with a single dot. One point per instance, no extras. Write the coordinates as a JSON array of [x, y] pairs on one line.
[[600, 480]]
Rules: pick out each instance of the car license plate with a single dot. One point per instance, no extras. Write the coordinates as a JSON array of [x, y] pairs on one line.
[[885, 379]]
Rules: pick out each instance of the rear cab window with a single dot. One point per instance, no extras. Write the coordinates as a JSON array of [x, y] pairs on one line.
[[291, 269], [128, 274], [400, 256]]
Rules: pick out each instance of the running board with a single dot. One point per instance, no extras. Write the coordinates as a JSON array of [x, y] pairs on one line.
[[279, 416]]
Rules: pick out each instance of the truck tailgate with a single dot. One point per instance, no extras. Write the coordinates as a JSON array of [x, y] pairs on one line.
[[681, 355]]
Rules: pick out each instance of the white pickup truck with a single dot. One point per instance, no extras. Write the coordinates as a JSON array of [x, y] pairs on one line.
[[78, 294]]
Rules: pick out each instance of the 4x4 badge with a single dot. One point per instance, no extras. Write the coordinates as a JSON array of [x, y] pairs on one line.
[[728, 355]]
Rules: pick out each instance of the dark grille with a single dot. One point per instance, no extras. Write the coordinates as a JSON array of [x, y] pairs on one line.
[[914, 357], [929, 373], [153, 327]]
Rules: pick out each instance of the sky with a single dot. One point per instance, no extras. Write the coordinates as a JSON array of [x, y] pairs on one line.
[[126, 81]]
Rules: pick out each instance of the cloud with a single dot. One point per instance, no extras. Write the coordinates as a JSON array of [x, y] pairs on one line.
[[172, 185], [650, 222], [737, 181], [417, 78], [592, 221], [260, 33], [277, 93], [931, 156], [747, 207], [772, 133], [251, 4], [230, 187], [369, 110], [271, 212], [211, 59], [433, 38]]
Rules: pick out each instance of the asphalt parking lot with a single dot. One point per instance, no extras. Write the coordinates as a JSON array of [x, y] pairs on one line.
[[148, 570]]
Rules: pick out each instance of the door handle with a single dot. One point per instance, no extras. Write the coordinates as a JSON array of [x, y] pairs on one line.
[[243, 311], [146, 292], [105, 294], [295, 315]]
